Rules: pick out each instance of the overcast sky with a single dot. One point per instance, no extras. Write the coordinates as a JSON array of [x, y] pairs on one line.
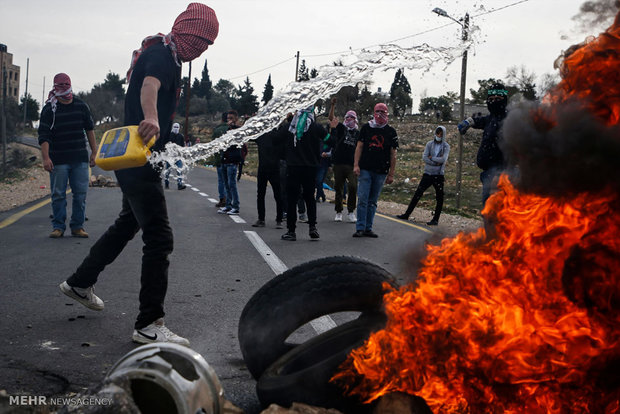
[[87, 39]]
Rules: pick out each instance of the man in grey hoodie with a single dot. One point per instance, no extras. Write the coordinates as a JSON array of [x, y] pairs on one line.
[[435, 156]]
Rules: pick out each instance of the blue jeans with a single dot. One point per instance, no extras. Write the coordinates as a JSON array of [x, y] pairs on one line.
[[232, 196], [321, 172], [76, 175], [369, 185], [179, 165], [221, 181]]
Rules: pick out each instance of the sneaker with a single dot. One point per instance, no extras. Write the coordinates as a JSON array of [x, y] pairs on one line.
[[181, 187], [289, 236], [79, 233], [370, 233], [303, 218], [85, 296], [233, 212], [279, 225], [56, 234], [259, 223], [432, 223], [223, 210], [403, 217], [221, 203], [358, 233], [338, 217], [352, 217], [157, 332], [313, 232]]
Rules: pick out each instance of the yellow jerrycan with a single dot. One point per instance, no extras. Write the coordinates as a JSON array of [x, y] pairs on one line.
[[122, 148]]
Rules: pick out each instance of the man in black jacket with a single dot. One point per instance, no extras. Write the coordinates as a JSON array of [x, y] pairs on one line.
[[490, 158], [304, 139], [268, 172], [154, 80]]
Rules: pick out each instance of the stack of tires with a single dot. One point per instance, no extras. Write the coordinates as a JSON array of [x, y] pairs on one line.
[[288, 373]]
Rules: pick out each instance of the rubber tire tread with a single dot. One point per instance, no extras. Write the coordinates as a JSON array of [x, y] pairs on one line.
[[302, 375], [301, 294]]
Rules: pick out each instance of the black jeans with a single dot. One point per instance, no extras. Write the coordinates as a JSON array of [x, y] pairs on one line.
[[144, 207], [304, 179], [273, 177], [427, 180]]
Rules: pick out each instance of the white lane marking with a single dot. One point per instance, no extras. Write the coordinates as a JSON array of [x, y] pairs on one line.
[[268, 255], [237, 219], [320, 325], [204, 195], [195, 189], [213, 200]]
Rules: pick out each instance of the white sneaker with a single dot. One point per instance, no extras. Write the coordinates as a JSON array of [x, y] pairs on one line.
[[338, 217], [223, 210], [233, 212], [85, 296], [157, 332], [352, 217]]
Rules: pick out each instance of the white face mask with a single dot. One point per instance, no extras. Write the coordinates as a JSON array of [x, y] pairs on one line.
[[175, 129], [438, 139]]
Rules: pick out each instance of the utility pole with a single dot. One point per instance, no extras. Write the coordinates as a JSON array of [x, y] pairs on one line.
[[26, 92], [459, 167], [297, 68], [188, 91], [2, 113]]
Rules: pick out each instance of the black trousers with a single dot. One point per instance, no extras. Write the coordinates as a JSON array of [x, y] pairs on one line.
[[272, 177], [304, 179], [143, 208], [437, 181]]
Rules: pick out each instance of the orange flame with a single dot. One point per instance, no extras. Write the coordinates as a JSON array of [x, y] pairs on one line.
[[527, 321]]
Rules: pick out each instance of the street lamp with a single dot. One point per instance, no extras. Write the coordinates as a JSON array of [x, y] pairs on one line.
[[464, 23]]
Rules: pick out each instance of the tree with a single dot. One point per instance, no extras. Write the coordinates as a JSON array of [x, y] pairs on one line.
[[400, 93], [442, 103], [107, 99], [246, 102], [225, 88], [365, 102], [267, 91], [302, 74], [32, 109], [522, 80], [313, 73], [203, 88]]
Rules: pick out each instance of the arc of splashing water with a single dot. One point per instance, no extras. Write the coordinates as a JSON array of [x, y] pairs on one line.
[[298, 95]]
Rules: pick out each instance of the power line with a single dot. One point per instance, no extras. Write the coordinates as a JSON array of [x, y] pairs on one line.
[[389, 41], [261, 70]]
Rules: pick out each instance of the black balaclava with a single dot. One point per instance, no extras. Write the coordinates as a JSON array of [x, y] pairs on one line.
[[497, 107]]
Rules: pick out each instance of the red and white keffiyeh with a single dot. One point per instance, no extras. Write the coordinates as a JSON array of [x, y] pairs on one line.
[[192, 33]]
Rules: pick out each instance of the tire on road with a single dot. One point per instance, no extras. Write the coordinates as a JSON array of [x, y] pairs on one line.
[[302, 374], [301, 294]]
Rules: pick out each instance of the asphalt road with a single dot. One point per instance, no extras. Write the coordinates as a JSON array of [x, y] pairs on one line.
[[51, 345]]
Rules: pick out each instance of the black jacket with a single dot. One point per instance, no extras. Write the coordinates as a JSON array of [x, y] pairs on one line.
[[489, 154]]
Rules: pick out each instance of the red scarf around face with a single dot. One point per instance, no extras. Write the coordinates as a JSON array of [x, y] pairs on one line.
[[192, 33]]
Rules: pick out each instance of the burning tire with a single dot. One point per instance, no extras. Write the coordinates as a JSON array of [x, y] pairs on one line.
[[302, 374], [301, 294]]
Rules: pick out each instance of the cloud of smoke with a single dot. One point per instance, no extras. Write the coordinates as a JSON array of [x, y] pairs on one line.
[[561, 150], [596, 14]]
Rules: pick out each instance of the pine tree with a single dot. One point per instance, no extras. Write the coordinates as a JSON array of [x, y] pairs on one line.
[[268, 91], [303, 74], [246, 102], [203, 88], [400, 93]]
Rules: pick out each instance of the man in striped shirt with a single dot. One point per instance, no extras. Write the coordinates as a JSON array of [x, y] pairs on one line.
[[65, 124]]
